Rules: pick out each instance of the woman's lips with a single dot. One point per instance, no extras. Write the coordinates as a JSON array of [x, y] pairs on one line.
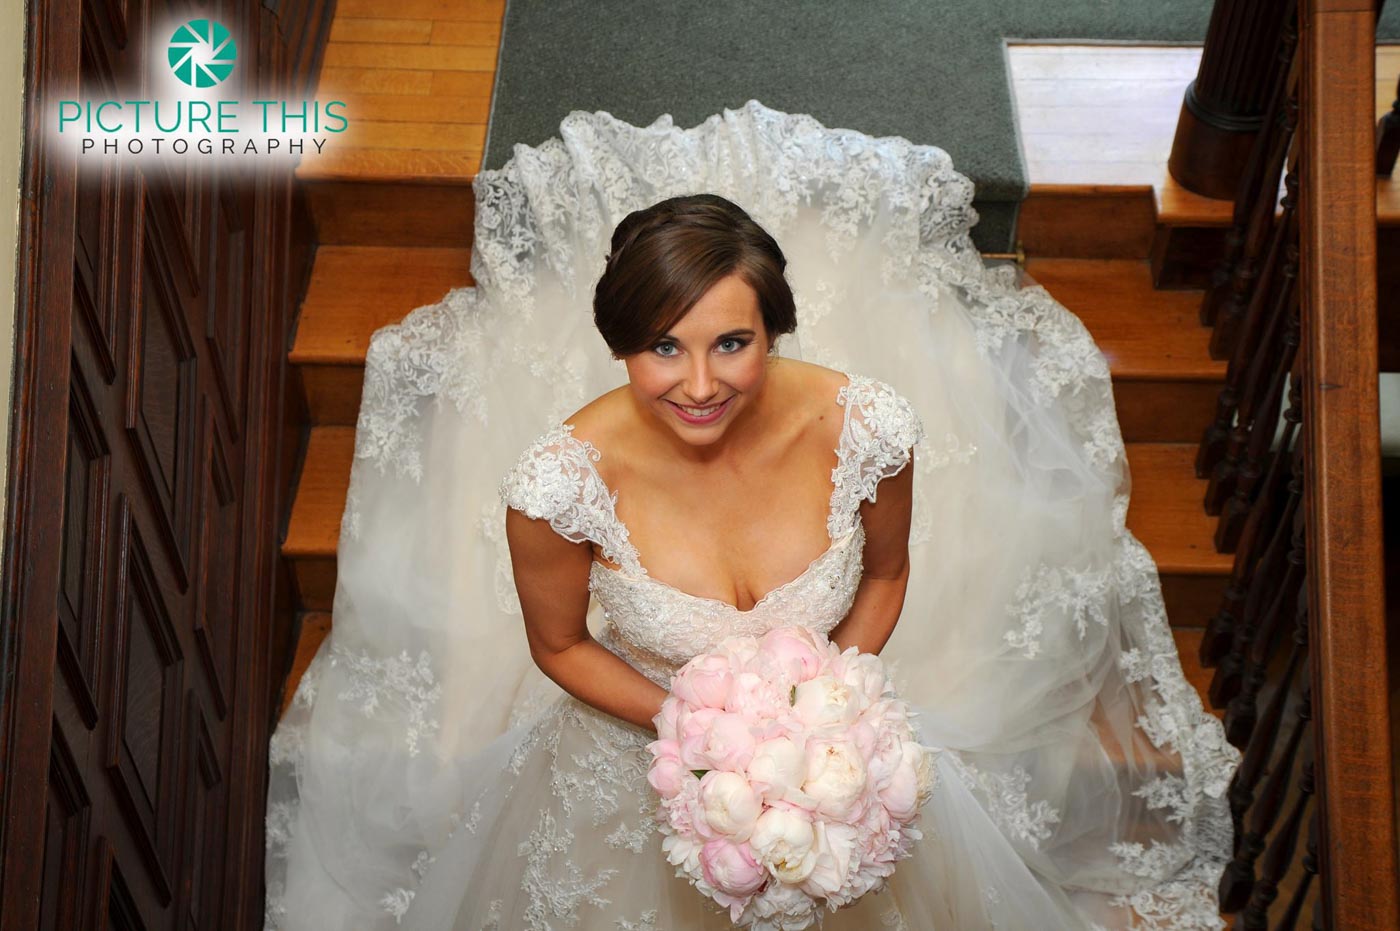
[[692, 419]]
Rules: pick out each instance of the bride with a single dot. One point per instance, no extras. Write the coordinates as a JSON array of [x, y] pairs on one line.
[[811, 403]]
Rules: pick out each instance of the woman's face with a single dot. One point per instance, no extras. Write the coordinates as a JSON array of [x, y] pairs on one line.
[[713, 361]]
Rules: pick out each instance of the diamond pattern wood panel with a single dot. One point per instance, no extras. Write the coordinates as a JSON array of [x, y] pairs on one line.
[[155, 305]]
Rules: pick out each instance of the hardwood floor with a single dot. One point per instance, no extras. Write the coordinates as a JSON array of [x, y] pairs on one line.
[[1106, 114], [418, 88]]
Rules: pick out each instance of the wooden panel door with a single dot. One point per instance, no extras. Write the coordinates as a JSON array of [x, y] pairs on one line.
[[141, 528]]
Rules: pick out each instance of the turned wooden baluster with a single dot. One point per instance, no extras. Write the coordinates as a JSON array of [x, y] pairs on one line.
[[1269, 510], [1261, 746], [1260, 524], [1257, 360], [1264, 424], [1289, 920], [1237, 882], [1230, 287], [1279, 855], [1388, 137], [1225, 684], [1245, 349], [1243, 710]]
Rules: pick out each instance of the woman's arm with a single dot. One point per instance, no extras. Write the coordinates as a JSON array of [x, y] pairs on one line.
[[885, 578], [551, 576]]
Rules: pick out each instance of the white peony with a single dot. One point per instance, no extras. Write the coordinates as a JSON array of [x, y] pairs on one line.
[[682, 853], [780, 764], [865, 674], [730, 805], [923, 768], [783, 841], [836, 860], [824, 700], [836, 776]]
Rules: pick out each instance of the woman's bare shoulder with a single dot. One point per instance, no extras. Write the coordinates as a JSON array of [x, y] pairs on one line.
[[602, 418], [816, 385]]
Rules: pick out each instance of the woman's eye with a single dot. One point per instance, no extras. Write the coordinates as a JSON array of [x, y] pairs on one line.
[[660, 346], [738, 343]]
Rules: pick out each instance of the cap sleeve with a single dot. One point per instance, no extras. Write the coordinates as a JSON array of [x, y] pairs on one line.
[[878, 439], [554, 480]]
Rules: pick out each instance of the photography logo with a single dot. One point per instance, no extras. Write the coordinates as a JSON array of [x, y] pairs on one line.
[[196, 112], [202, 53]]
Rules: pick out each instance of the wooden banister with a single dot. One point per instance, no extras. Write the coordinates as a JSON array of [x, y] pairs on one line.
[[1342, 491], [1294, 300]]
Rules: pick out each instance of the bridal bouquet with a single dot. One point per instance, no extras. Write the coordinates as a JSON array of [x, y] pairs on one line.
[[789, 775]]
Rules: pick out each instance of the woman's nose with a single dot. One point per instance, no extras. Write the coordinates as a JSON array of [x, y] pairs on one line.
[[700, 386]]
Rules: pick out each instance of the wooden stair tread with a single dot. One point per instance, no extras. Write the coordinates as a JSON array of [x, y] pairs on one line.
[[1143, 332], [1161, 339], [314, 527], [1176, 206], [1388, 201], [315, 626], [1164, 509], [355, 290], [412, 166]]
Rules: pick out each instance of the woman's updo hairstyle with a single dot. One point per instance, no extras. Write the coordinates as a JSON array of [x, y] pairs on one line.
[[666, 256]]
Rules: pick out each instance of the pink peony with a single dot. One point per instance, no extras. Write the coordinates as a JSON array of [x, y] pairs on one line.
[[665, 719], [731, 868], [703, 682], [756, 698], [692, 728], [796, 653], [729, 743], [901, 795], [884, 759], [667, 772]]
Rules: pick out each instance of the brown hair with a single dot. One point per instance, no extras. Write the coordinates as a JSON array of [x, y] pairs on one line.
[[666, 256]]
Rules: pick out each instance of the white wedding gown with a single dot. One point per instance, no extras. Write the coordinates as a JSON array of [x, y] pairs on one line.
[[428, 776]]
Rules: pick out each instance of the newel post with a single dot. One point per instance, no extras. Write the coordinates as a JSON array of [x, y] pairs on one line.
[[1225, 107]]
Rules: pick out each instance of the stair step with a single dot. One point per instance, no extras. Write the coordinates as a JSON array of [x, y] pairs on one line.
[[355, 290], [1164, 513], [361, 198], [1165, 385], [315, 625]]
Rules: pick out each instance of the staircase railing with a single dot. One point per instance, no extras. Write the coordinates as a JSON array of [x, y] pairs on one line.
[[1298, 644]]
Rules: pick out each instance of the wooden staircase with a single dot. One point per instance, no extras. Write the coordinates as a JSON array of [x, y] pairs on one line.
[[396, 221]]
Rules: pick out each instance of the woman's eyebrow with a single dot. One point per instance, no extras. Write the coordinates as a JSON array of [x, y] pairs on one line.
[[725, 335]]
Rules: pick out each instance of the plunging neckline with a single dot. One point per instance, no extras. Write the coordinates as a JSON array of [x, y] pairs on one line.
[[833, 543]]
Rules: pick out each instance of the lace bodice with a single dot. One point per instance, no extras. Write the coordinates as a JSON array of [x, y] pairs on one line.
[[655, 626]]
